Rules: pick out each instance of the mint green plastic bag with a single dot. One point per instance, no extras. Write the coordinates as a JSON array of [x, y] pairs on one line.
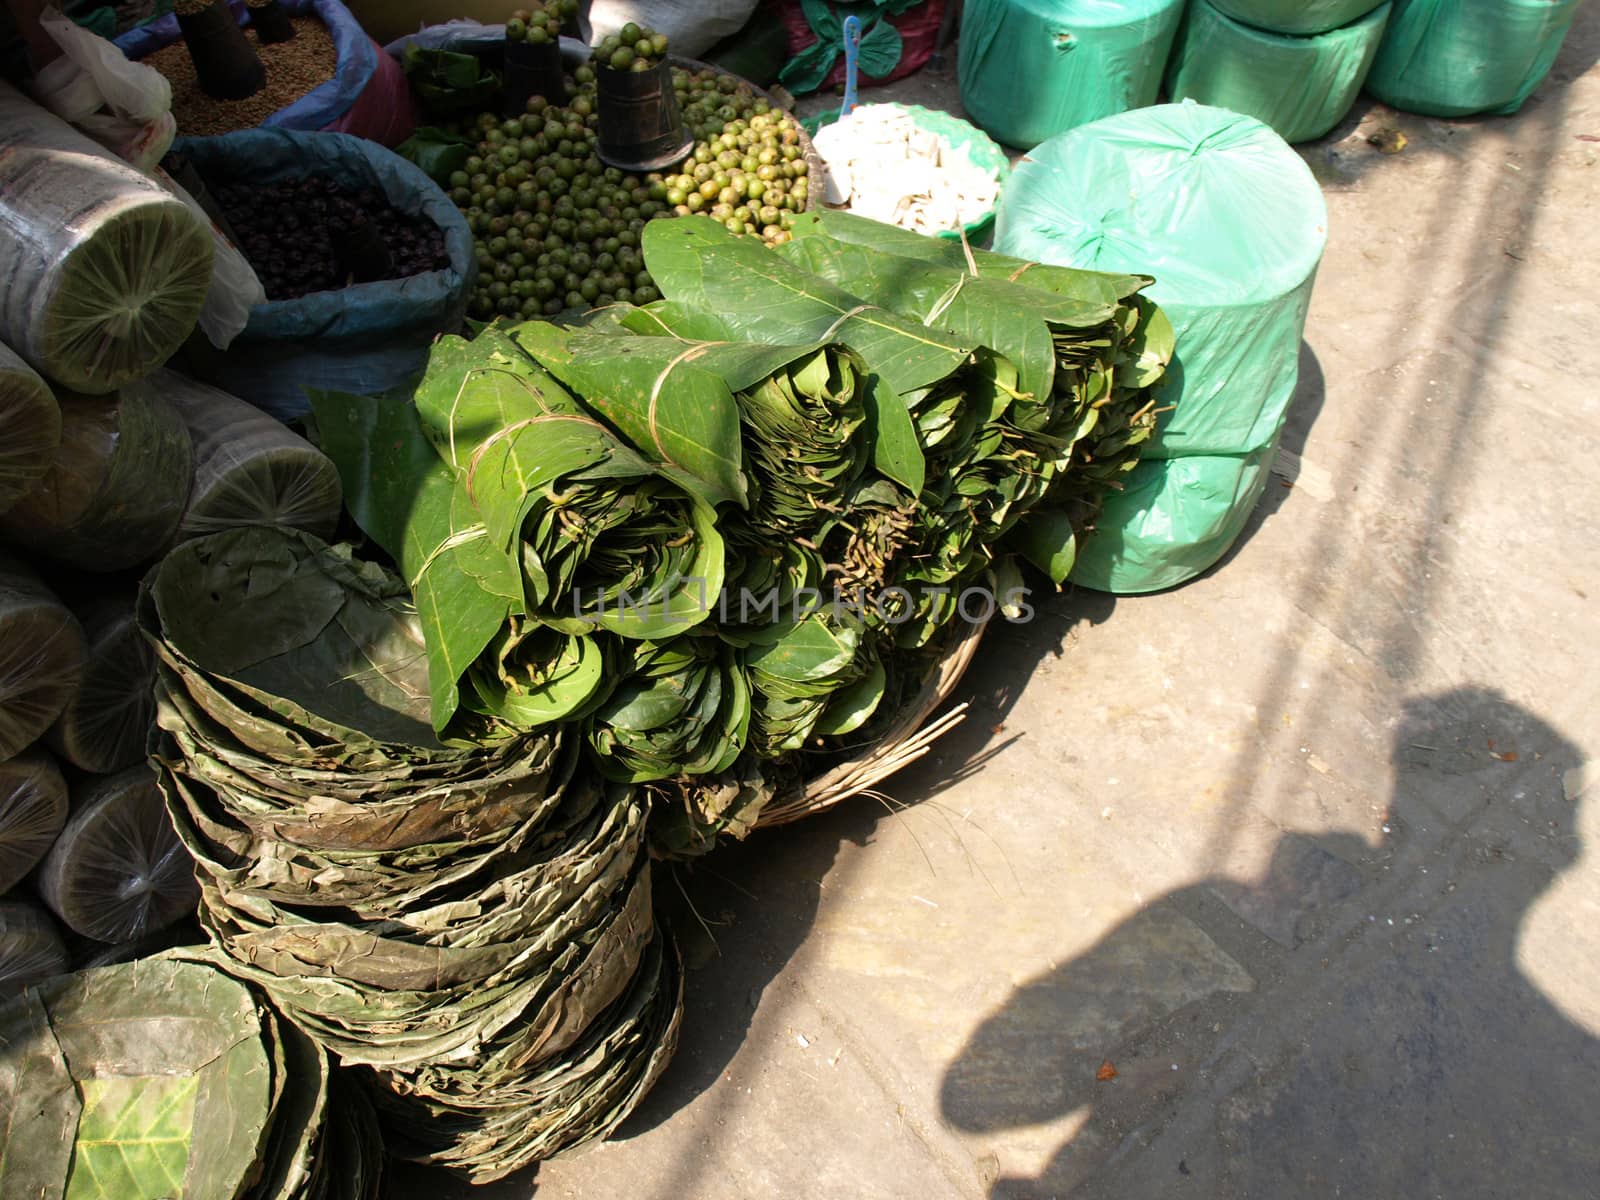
[[1174, 518], [1031, 69], [1301, 86], [1452, 58], [1232, 225], [1302, 17]]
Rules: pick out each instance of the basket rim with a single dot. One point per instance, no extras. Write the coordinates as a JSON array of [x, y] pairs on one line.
[[910, 738]]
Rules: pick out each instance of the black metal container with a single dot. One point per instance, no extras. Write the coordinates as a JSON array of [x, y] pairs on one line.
[[641, 128], [532, 69]]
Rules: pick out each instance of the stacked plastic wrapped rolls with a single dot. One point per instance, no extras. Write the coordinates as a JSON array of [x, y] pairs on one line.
[[1232, 224], [1031, 69], [1289, 72]]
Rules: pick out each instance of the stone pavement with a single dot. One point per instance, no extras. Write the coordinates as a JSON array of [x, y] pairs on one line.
[[1299, 852]]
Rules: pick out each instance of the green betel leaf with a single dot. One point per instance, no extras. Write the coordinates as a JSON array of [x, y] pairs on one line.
[[1046, 538], [535, 675], [1152, 345], [601, 538], [672, 401], [683, 710], [814, 649], [762, 298], [402, 495], [896, 452], [1067, 282], [133, 1138], [1006, 317], [852, 707]]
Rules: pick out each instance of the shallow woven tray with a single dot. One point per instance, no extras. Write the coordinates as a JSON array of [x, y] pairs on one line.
[[905, 742]]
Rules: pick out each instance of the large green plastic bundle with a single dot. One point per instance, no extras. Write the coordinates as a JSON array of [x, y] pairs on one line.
[[167, 1079], [249, 468], [102, 273], [1232, 225], [1301, 17], [115, 491], [1452, 58], [30, 427], [41, 656], [1031, 69], [1302, 86]]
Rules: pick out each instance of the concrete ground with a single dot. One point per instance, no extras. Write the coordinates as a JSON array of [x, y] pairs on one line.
[[1299, 851]]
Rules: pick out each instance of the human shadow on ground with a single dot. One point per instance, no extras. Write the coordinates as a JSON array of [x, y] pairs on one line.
[[1367, 1029]]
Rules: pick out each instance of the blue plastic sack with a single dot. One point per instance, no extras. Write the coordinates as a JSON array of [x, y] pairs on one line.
[[365, 339], [324, 104]]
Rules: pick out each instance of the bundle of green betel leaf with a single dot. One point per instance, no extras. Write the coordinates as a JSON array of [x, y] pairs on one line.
[[721, 533], [647, 575]]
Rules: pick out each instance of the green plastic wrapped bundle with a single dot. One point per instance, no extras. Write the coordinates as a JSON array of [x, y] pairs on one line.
[[1232, 224], [1031, 69], [1452, 58], [1302, 17], [1301, 86]]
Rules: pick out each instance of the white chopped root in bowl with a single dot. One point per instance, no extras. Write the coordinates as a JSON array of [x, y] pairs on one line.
[[880, 164]]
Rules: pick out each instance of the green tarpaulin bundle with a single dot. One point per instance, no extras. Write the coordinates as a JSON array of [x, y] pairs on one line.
[[417, 904], [1300, 85], [1232, 225], [1031, 69], [165, 1077], [1453, 58], [1303, 18]]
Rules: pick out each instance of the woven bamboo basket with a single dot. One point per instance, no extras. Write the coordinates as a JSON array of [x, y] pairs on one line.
[[910, 737]]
